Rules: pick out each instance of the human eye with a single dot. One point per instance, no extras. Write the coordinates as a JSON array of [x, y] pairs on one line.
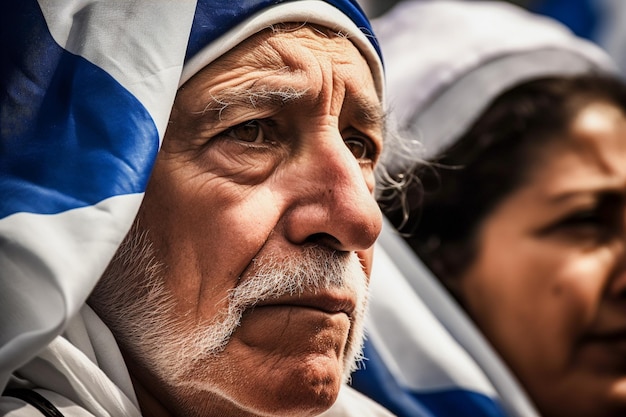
[[600, 221], [250, 131], [588, 226], [583, 218], [361, 147]]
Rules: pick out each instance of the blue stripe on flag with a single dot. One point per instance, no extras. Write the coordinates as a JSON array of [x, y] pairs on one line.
[[214, 17], [70, 135], [378, 383]]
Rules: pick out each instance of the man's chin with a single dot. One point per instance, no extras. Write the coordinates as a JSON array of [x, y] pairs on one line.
[[279, 361], [304, 382]]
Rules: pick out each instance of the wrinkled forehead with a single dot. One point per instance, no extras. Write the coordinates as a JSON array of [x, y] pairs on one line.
[[349, 21], [285, 46]]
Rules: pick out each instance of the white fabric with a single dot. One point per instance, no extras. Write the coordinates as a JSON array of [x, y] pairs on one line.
[[352, 403], [442, 72], [82, 373], [42, 295]]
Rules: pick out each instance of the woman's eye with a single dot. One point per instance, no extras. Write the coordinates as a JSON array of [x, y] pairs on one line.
[[250, 131], [360, 148], [601, 221], [583, 219], [594, 224]]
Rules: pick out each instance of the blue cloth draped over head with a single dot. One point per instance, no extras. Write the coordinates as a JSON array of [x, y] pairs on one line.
[[87, 89]]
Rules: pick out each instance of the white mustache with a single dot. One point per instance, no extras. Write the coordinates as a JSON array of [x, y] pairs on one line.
[[314, 270], [311, 271], [133, 286]]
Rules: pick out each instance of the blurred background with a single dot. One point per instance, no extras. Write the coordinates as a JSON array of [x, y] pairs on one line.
[[601, 21]]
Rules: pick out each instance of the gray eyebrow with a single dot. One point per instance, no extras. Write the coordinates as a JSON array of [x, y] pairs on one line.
[[253, 97], [368, 113]]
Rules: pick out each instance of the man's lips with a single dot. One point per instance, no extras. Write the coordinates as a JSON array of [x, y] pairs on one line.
[[331, 303]]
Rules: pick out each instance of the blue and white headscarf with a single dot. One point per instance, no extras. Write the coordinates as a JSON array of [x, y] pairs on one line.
[[87, 89], [425, 356]]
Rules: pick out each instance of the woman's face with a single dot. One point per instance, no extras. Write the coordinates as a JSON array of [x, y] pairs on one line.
[[548, 286]]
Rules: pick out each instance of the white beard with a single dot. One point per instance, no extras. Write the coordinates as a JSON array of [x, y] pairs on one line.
[[133, 301]]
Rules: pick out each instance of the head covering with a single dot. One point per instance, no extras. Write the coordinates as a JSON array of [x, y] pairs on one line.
[[445, 71], [87, 89], [426, 357]]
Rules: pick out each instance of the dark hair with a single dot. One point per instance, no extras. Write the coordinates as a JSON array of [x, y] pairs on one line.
[[462, 185]]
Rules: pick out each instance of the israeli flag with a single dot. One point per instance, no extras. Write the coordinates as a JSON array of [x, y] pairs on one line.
[[87, 88]]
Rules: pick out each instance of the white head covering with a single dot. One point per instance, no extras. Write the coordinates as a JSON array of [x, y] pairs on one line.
[[426, 357], [87, 90], [442, 73]]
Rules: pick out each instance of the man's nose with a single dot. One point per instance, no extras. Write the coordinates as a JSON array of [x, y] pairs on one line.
[[332, 203]]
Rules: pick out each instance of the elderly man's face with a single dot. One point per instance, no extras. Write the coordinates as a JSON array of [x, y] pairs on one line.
[[258, 207]]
